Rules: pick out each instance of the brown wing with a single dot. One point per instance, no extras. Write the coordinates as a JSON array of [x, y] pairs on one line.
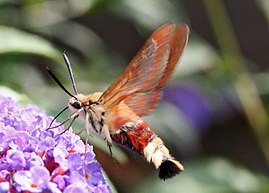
[[140, 83]]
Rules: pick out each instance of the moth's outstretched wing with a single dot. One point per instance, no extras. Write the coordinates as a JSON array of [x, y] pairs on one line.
[[140, 83]]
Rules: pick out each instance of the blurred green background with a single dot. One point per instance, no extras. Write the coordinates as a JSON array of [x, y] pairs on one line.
[[214, 115]]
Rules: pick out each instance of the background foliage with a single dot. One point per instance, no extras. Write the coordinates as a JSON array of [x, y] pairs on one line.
[[214, 116]]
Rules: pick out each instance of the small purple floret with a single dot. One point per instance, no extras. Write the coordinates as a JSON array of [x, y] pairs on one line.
[[33, 159]]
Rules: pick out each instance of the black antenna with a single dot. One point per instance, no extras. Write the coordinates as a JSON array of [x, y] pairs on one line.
[[59, 83], [70, 72]]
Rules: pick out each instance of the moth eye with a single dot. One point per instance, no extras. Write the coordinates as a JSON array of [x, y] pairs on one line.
[[77, 105]]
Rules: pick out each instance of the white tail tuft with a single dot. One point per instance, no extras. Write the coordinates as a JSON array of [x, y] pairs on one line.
[[157, 153]]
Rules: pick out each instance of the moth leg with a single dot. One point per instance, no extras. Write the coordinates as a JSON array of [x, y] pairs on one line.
[[59, 124], [69, 125], [80, 131], [87, 127], [106, 135], [74, 115]]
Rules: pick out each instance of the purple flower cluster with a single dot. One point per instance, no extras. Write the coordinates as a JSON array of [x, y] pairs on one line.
[[33, 159]]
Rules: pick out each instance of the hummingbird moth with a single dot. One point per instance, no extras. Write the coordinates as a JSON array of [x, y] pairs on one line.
[[115, 114]]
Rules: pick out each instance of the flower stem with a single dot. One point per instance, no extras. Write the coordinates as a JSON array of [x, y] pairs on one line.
[[236, 69]]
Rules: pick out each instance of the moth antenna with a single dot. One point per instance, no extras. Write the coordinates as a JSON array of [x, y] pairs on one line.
[[68, 64], [59, 83], [57, 117]]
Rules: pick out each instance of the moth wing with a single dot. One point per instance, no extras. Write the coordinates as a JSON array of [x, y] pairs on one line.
[[140, 83]]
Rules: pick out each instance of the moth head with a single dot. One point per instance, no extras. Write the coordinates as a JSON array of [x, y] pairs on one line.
[[77, 102], [74, 104]]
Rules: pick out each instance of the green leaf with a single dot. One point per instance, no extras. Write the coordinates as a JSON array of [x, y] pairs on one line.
[[8, 92], [210, 175], [16, 41]]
